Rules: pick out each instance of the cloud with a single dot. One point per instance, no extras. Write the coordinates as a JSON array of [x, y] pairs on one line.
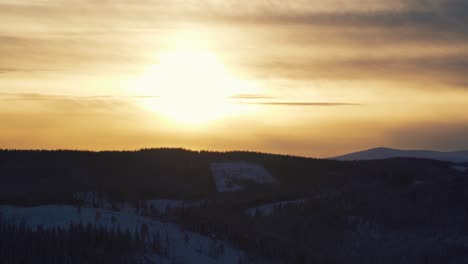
[[250, 96], [416, 26], [122, 97], [300, 103], [48, 97], [266, 100], [66, 105], [439, 13], [107, 103], [9, 70], [450, 69], [122, 35]]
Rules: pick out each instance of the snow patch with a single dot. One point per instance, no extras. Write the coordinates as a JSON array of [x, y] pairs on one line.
[[226, 174], [163, 206], [268, 209], [460, 168]]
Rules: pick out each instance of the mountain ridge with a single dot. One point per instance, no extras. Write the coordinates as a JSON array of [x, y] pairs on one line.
[[386, 153]]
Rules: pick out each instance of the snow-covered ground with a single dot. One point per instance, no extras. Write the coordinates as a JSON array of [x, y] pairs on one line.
[[163, 206], [185, 247], [268, 209], [460, 168], [226, 174]]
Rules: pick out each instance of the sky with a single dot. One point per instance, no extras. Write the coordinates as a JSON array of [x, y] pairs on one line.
[[311, 78]]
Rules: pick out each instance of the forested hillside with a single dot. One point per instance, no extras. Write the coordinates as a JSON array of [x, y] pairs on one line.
[[233, 207]]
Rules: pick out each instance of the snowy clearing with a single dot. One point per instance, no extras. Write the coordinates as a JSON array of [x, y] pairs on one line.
[[226, 174]]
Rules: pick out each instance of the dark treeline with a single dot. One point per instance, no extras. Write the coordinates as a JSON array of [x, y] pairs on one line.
[[37, 177], [30, 177], [76, 244]]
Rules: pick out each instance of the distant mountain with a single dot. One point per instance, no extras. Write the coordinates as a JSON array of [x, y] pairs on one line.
[[385, 153]]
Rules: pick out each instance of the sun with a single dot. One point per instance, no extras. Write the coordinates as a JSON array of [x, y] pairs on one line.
[[193, 86]]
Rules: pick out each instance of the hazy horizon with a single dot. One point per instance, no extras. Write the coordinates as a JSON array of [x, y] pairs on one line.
[[307, 78]]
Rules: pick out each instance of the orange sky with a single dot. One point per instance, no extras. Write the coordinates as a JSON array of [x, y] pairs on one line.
[[297, 77]]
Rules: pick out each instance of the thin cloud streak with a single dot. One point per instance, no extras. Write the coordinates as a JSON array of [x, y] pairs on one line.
[[251, 99], [300, 103], [46, 97], [250, 96], [256, 99], [9, 70]]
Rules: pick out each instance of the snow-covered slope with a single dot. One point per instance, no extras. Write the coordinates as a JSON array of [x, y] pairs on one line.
[[384, 153], [228, 174], [185, 247]]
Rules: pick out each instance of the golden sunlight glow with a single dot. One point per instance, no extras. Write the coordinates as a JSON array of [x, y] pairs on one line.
[[193, 85]]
